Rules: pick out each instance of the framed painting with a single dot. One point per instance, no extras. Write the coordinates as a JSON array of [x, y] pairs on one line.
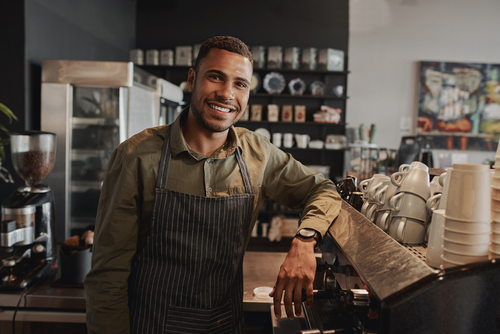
[[459, 105]]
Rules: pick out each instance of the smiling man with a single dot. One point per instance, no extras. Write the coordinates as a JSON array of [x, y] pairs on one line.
[[178, 204]]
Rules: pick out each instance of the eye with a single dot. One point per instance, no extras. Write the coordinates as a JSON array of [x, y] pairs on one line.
[[214, 77], [242, 85]]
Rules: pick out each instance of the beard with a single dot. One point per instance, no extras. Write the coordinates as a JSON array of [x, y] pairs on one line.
[[219, 124]]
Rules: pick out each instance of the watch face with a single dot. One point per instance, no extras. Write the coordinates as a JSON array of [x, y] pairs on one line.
[[307, 233]]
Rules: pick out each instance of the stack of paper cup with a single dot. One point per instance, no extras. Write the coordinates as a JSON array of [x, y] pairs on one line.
[[495, 209], [467, 224]]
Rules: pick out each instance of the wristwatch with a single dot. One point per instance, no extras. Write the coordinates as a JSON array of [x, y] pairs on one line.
[[308, 233]]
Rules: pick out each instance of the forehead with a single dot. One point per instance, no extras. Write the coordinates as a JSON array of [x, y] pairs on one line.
[[227, 62]]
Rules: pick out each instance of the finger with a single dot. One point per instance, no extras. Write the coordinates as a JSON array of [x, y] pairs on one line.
[[288, 302], [309, 294], [297, 299], [278, 292], [271, 294]]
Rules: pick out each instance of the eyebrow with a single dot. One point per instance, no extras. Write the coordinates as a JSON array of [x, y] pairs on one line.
[[222, 74]]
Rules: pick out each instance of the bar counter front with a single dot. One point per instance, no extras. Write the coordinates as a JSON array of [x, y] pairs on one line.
[[366, 282]]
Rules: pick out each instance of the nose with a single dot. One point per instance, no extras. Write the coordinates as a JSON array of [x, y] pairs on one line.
[[226, 92]]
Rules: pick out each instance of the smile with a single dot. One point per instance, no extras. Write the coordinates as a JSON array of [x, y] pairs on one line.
[[219, 108]]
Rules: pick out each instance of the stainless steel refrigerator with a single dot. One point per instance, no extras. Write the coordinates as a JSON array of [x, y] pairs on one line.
[[92, 106]]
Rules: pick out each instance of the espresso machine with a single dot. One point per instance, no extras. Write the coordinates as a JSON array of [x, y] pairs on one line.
[[367, 282], [27, 244]]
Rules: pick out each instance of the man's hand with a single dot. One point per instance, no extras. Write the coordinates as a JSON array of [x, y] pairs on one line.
[[296, 273]]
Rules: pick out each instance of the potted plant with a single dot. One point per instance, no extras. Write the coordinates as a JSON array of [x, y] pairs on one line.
[[4, 173]]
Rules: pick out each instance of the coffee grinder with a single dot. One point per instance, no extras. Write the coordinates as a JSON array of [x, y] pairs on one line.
[[27, 243]]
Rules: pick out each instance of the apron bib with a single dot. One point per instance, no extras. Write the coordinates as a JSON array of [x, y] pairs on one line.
[[188, 277]]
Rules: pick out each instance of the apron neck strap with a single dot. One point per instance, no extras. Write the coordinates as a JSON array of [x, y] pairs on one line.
[[161, 181]]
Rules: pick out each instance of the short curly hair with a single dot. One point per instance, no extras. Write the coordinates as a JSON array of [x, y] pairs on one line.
[[228, 43]]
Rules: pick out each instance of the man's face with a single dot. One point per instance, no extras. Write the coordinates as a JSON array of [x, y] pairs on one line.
[[220, 89]]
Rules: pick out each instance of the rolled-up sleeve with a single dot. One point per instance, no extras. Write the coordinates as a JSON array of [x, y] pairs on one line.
[[290, 183], [115, 243]]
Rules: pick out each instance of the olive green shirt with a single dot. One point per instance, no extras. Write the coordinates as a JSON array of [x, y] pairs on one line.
[[127, 196]]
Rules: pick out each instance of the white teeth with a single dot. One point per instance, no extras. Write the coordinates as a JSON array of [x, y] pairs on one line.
[[220, 108]]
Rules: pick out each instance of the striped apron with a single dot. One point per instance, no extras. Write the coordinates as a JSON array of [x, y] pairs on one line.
[[188, 277]]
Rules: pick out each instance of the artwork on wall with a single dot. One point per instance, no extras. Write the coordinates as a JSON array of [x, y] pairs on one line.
[[459, 105]]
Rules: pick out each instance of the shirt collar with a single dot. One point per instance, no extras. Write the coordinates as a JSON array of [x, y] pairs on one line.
[[178, 144]]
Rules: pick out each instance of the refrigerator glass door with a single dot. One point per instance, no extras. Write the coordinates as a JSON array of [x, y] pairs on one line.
[[95, 131]]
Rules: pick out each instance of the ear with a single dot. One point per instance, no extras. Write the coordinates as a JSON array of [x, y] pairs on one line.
[[191, 79]]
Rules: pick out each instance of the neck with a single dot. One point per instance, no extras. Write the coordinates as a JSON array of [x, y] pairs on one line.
[[200, 139]]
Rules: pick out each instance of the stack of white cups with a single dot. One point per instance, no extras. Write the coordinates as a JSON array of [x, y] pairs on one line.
[[467, 223], [495, 209], [408, 205], [369, 187]]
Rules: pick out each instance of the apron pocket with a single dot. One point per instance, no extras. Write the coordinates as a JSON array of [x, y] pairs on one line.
[[200, 321]]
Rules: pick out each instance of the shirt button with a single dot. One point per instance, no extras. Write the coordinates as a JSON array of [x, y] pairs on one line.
[[208, 160], [209, 189]]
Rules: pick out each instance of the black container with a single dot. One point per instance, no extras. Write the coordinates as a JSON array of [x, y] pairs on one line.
[[75, 264]]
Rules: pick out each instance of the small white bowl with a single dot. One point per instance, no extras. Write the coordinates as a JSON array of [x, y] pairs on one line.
[[469, 249], [466, 238]]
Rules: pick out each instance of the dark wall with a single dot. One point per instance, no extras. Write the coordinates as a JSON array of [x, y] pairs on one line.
[[33, 30], [315, 23], [79, 30]]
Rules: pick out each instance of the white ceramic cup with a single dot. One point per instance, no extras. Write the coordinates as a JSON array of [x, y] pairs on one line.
[[435, 241], [316, 144], [436, 187], [365, 207], [374, 188], [414, 164], [302, 140], [408, 205], [469, 195], [384, 194], [415, 181], [383, 219], [407, 230], [444, 179], [277, 139], [364, 186], [288, 140], [433, 202], [371, 212]]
